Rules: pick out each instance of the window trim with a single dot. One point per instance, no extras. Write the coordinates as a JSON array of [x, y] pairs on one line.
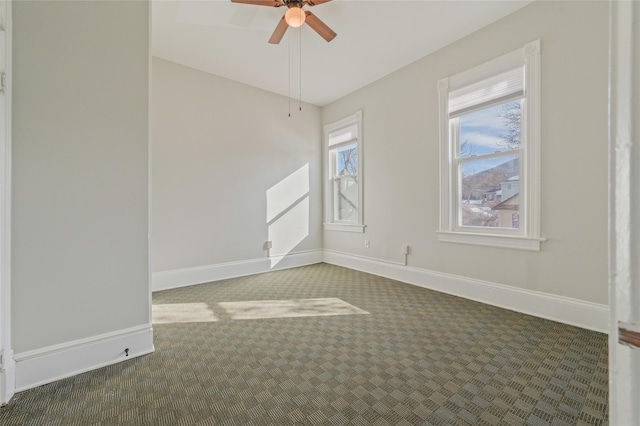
[[528, 236], [329, 223]]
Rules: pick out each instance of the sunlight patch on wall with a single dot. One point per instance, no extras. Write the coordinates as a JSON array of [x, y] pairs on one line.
[[285, 193], [262, 309], [289, 231], [288, 213], [182, 312]]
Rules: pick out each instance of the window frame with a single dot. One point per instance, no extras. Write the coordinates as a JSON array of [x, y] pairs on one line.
[[527, 236], [330, 224]]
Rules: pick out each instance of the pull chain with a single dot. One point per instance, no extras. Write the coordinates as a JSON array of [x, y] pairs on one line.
[[289, 69], [300, 67]]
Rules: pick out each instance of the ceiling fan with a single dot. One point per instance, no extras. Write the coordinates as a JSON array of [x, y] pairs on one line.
[[294, 17]]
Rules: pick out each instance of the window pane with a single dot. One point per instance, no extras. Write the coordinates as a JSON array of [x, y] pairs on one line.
[[490, 192], [346, 160], [345, 189], [489, 130], [346, 198]]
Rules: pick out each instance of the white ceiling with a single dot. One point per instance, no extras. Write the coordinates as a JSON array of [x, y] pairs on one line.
[[374, 39]]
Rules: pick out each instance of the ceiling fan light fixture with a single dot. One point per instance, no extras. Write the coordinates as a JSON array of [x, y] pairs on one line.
[[295, 17]]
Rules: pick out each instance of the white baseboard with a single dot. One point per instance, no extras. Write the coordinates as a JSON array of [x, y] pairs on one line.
[[165, 280], [592, 316], [45, 365]]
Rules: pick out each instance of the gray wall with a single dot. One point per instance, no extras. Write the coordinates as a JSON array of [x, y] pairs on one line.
[[219, 147], [401, 198], [80, 174]]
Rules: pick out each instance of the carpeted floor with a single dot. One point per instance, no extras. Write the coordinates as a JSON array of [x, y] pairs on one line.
[[399, 355]]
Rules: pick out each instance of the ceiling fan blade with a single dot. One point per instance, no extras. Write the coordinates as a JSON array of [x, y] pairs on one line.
[[277, 35], [320, 27], [316, 2], [272, 3]]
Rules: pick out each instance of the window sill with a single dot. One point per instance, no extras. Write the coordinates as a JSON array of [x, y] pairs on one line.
[[344, 227], [492, 240]]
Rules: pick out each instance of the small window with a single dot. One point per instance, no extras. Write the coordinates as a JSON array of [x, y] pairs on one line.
[[490, 153], [343, 185]]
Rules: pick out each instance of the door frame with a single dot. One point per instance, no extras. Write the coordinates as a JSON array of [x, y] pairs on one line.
[[7, 362], [624, 210]]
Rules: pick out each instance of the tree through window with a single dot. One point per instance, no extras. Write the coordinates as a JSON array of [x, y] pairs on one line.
[[489, 118], [344, 184]]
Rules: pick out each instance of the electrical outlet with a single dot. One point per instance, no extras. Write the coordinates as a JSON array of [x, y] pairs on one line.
[[269, 245], [405, 249], [367, 244]]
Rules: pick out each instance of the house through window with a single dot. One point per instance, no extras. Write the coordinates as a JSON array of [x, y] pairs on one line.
[[490, 152]]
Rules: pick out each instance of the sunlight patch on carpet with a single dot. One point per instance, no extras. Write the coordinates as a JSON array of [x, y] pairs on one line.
[[261, 309], [182, 312]]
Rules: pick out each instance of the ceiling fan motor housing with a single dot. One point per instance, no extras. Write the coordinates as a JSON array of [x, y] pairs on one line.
[[294, 3]]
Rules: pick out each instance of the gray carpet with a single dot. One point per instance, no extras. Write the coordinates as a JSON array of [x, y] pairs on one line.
[[413, 357]]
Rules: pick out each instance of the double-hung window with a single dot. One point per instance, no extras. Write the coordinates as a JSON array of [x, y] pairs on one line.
[[489, 131], [343, 165]]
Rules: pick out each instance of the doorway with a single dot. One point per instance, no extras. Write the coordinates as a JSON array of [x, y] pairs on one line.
[[7, 364]]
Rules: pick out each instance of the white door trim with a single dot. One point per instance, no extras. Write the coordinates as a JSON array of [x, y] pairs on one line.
[[624, 208], [7, 362]]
